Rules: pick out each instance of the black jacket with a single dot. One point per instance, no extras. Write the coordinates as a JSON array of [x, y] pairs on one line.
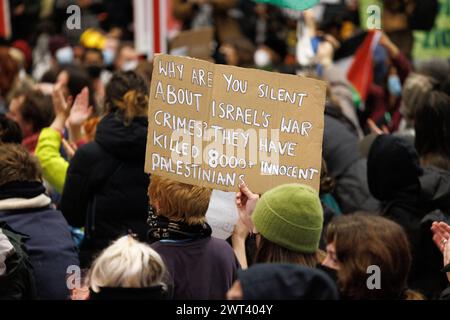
[[445, 295], [414, 197], [273, 281], [106, 187], [341, 154]]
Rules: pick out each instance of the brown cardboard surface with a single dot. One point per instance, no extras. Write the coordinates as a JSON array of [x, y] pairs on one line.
[[262, 100], [194, 43]]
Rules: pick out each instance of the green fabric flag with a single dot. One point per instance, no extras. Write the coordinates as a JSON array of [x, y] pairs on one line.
[[292, 4]]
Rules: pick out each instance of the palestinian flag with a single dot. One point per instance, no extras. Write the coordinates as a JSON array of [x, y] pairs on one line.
[[5, 22], [291, 4], [360, 73]]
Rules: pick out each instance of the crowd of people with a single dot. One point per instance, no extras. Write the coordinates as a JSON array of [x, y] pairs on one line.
[[73, 191]]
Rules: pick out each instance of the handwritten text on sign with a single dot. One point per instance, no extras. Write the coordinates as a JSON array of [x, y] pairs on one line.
[[216, 126]]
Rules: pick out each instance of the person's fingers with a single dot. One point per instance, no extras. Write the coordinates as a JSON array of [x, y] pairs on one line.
[[444, 226], [245, 190], [334, 42], [438, 242], [374, 128], [443, 229], [446, 252], [84, 96], [90, 111], [434, 227], [69, 102], [74, 146]]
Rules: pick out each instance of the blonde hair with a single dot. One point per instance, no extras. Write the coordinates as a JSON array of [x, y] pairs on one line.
[[179, 201], [127, 263]]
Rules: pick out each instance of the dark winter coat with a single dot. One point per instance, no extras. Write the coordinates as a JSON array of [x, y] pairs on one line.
[[341, 154], [50, 246], [106, 187], [286, 282], [414, 197]]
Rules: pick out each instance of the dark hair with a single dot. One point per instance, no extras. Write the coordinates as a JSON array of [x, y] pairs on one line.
[[127, 94], [269, 252], [51, 76], [432, 125], [362, 240], [37, 109], [79, 79], [93, 50], [9, 131]]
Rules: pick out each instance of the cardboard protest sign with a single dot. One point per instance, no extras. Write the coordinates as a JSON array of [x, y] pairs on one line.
[[216, 125], [195, 43]]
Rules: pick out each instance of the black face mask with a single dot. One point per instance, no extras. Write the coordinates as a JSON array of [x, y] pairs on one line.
[[94, 71]]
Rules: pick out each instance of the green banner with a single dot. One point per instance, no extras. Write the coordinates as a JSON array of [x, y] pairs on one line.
[[369, 17], [292, 4], [435, 43]]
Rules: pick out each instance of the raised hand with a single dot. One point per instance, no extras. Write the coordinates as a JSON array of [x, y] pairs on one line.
[[441, 234], [61, 106], [80, 111], [246, 202]]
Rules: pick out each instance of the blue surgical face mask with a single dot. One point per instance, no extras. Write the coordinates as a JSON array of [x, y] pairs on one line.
[[394, 85], [64, 55], [108, 57]]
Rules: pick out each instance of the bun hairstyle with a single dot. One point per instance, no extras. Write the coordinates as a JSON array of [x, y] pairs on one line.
[[127, 95]]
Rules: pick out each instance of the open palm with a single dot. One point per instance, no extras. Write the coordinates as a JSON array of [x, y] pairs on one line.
[[80, 111]]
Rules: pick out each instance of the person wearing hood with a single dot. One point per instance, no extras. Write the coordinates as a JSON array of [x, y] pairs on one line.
[[432, 126], [414, 197], [105, 186], [276, 281], [26, 208]]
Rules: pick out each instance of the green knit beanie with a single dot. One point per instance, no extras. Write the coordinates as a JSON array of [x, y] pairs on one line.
[[291, 216]]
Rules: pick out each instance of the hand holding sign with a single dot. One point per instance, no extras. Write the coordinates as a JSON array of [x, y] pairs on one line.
[[246, 203]]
